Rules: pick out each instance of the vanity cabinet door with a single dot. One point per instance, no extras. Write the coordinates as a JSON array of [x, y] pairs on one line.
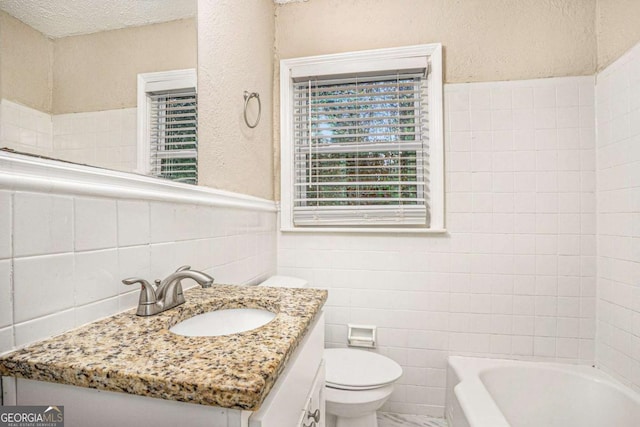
[[313, 414], [286, 401]]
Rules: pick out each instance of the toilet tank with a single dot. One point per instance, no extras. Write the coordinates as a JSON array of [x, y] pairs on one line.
[[285, 282]]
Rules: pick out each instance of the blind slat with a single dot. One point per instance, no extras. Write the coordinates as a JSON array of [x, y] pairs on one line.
[[355, 105], [304, 147], [388, 126], [341, 96], [176, 154], [305, 114], [172, 99], [164, 109], [393, 78], [364, 215]]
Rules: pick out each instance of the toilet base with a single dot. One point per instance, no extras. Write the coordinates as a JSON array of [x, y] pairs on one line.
[[369, 420], [355, 408]]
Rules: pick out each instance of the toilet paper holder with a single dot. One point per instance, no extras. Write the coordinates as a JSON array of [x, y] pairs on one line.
[[362, 336]]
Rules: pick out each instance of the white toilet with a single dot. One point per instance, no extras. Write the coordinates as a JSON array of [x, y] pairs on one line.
[[357, 382]]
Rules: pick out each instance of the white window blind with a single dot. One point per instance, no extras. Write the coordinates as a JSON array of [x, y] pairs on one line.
[[361, 150], [173, 127]]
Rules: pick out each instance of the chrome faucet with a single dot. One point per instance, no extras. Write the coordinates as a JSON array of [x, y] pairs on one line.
[[168, 292]]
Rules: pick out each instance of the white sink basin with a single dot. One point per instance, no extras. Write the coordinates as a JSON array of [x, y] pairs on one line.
[[223, 322]]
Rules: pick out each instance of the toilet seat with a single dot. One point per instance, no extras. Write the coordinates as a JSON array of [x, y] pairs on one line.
[[348, 369]]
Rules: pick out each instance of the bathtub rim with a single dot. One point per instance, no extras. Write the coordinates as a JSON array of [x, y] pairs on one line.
[[477, 403]]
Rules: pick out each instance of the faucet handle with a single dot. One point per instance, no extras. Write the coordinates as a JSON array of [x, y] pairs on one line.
[[147, 293], [183, 268]]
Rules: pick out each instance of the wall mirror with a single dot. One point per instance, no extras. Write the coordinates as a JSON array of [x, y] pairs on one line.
[[69, 74]]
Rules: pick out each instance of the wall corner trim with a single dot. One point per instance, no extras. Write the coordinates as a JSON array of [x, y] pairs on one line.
[[24, 173]]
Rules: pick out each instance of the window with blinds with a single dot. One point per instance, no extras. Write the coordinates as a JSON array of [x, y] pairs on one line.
[[173, 135], [360, 155], [362, 141]]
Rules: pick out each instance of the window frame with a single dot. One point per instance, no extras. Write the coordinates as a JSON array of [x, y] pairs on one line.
[[362, 62], [155, 82]]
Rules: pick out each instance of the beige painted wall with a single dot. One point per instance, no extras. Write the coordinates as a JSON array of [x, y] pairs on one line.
[[618, 28], [95, 72], [26, 58], [484, 40], [235, 51]]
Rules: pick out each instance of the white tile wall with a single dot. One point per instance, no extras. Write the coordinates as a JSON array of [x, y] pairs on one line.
[[102, 138], [514, 277], [42, 224], [133, 222], [5, 224], [6, 300], [618, 185], [25, 129], [69, 254], [96, 276], [42, 285], [95, 224], [45, 326], [6, 337]]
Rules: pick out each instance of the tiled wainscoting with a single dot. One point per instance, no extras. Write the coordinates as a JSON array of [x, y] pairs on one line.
[[102, 138], [515, 274], [25, 129], [618, 178], [62, 257]]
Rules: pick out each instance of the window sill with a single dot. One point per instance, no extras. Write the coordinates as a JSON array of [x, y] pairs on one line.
[[372, 230]]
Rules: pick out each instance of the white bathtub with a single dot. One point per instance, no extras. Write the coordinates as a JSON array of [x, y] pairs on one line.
[[506, 393]]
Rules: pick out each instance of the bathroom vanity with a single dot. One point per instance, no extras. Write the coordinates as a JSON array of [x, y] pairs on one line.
[[130, 370]]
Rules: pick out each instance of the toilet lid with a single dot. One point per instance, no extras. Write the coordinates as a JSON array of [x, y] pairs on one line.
[[353, 369]]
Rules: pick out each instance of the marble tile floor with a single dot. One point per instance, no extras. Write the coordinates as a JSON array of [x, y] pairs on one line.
[[388, 419]]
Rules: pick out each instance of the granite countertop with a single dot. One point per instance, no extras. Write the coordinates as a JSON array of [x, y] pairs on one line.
[[138, 355]]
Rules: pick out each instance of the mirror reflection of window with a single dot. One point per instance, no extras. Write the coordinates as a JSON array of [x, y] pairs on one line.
[[168, 125], [69, 83]]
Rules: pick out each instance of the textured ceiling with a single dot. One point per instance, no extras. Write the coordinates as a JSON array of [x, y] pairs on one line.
[[61, 18]]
